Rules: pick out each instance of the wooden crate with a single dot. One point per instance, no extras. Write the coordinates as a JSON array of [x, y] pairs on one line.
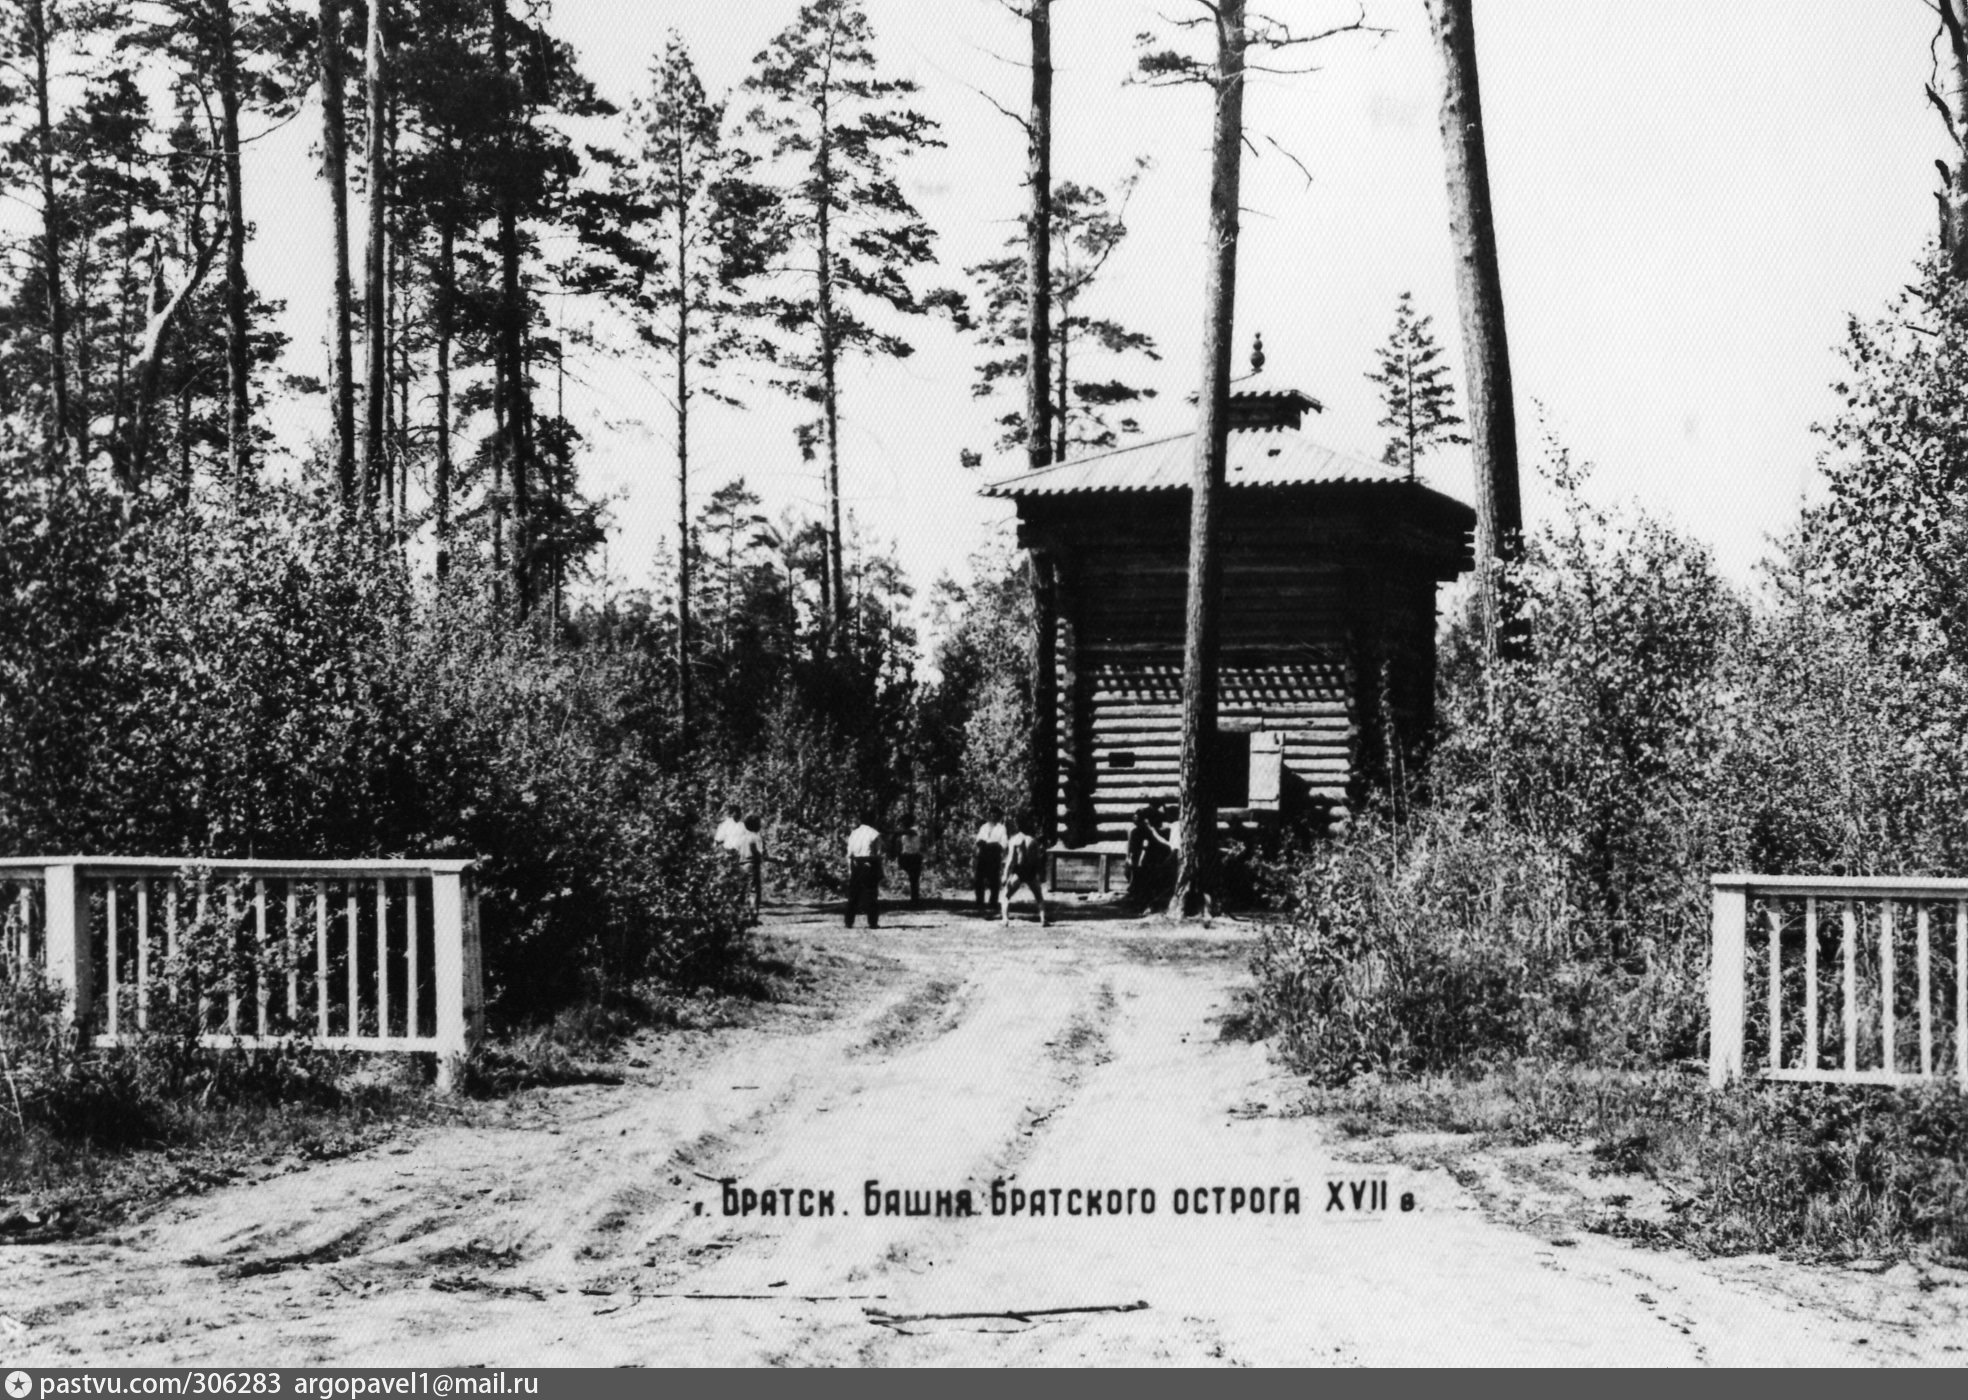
[[1087, 870]]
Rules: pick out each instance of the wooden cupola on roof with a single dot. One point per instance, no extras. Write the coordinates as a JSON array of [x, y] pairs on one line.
[[1327, 642], [1262, 404]]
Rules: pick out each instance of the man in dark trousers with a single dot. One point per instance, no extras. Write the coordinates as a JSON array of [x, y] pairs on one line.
[[991, 839], [864, 872], [908, 855]]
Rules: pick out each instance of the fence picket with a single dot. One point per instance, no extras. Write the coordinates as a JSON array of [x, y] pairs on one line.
[[111, 982], [1888, 1061], [143, 954], [410, 959], [321, 959], [382, 958], [1926, 997], [1809, 1054], [293, 958], [1775, 916], [232, 959], [1851, 998], [1961, 992], [354, 966]]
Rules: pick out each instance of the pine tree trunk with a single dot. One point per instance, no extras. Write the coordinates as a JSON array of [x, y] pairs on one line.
[[1038, 417], [1954, 194], [1200, 638], [239, 355], [334, 169], [511, 352], [1038, 245], [685, 718], [830, 407], [375, 310], [1479, 290], [1062, 349], [447, 273], [83, 395], [60, 446]]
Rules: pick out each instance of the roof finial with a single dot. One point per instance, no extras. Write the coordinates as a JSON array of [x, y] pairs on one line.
[[1257, 353]]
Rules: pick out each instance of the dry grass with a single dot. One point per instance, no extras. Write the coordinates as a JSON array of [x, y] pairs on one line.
[[1828, 1172]]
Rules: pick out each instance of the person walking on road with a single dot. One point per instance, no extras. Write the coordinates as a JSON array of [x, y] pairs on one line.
[[864, 872], [990, 861], [749, 847], [1024, 865], [909, 856]]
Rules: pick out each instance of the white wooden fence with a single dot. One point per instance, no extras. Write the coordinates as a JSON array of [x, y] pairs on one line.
[[358, 955], [1835, 1002]]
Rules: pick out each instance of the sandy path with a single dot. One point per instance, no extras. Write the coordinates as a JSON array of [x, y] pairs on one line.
[[945, 1053]]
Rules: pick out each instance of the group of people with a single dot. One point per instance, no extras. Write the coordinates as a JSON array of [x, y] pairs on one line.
[[742, 835], [1008, 858], [1154, 838], [864, 867]]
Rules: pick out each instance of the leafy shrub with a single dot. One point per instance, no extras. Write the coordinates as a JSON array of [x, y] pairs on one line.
[[269, 684]]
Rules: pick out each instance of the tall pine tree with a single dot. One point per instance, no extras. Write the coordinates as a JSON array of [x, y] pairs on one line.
[[837, 131], [1087, 227]]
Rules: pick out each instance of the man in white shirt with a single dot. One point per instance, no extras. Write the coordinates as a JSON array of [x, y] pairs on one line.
[[991, 839], [729, 831], [864, 851]]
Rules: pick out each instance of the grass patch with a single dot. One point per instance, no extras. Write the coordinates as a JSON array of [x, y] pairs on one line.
[[1831, 1172], [112, 1138]]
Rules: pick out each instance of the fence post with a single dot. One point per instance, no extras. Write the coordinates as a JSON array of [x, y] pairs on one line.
[[460, 981], [68, 943], [1725, 981]]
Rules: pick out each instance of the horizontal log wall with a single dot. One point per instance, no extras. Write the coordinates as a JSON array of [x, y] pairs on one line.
[[1328, 630]]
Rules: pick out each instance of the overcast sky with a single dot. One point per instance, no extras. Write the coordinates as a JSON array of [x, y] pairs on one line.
[[1690, 199]]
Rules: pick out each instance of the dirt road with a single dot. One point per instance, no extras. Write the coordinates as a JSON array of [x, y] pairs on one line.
[[584, 1225]]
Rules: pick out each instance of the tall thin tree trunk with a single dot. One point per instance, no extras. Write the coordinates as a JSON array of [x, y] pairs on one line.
[[1062, 350], [1953, 195], [239, 355], [834, 590], [1479, 291], [685, 730], [334, 169], [83, 395], [511, 332], [441, 485], [1038, 244], [59, 443], [375, 378], [1200, 638], [1038, 413], [830, 411]]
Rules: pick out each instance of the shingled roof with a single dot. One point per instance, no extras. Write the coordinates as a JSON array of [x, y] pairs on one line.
[[1255, 459]]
